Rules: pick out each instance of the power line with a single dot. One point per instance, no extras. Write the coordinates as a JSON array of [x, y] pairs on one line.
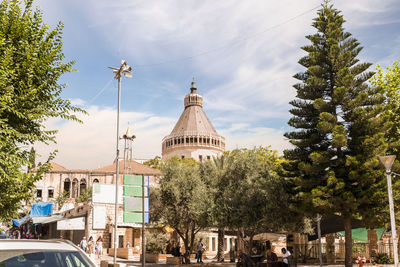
[[226, 45]]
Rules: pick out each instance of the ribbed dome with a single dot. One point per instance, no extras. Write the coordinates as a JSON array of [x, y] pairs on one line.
[[194, 120], [193, 129]]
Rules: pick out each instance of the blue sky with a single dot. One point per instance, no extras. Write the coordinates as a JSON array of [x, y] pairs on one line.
[[242, 55]]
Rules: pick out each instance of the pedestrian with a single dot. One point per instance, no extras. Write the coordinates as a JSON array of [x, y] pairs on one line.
[[243, 260], [90, 245], [272, 258], [128, 245], [83, 244], [285, 257], [99, 245], [200, 247]]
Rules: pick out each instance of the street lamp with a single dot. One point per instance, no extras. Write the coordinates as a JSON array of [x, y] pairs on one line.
[[387, 161], [126, 70]]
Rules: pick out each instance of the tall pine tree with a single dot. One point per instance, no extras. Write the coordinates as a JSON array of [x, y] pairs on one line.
[[338, 131]]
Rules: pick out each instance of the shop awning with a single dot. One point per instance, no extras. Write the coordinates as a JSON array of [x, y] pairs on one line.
[[17, 222], [41, 209], [47, 219]]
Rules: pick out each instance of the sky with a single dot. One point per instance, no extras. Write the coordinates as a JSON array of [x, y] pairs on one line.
[[242, 55]]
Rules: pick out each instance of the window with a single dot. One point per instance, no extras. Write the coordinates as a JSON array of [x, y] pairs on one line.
[[38, 192], [200, 158], [208, 157], [213, 244], [182, 157], [51, 193], [67, 185]]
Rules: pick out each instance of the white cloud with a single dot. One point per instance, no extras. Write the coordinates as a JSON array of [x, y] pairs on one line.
[[246, 62], [92, 144], [247, 137]]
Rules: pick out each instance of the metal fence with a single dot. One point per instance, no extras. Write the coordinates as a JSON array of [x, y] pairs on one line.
[[310, 252]]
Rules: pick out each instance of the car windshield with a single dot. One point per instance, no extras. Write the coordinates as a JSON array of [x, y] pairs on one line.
[[17, 258]]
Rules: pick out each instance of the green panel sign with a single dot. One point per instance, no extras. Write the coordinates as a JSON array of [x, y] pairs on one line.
[[132, 191], [132, 179], [131, 217], [135, 204]]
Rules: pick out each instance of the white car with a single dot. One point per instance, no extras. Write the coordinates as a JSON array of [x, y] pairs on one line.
[[42, 253]]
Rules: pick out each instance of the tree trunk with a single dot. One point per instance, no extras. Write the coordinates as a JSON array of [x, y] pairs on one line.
[[186, 256], [220, 252], [348, 262]]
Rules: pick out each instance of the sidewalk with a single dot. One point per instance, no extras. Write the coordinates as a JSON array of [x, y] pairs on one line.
[[209, 263]]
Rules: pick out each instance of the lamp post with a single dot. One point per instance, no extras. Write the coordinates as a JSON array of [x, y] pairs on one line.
[[126, 70], [319, 217], [387, 161]]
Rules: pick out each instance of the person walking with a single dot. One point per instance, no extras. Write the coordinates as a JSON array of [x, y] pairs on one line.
[[99, 244], [90, 245], [83, 244], [200, 247]]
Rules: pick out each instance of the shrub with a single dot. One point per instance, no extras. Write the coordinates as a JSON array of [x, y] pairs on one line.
[[155, 242], [383, 258]]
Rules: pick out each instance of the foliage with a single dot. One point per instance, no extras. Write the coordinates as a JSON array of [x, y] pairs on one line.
[[389, 82], [156, 242], [383, 258], [333, 166], [154, 163], [85, 195], [246, 191], [184, 200], [61, 199], [30, 67]]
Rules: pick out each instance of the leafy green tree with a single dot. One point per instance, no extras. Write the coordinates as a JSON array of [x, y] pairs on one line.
[[389, 82], [31, 63], [154, 163], [246, 192], [86, 195], [213, 172], [338, 131], [184, 200], [61, 199]]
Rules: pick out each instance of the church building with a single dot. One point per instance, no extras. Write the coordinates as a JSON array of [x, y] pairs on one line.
[[193, 135]]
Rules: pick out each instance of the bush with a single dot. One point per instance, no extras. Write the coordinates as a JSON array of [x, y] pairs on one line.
[[155, 242], [383, 259]]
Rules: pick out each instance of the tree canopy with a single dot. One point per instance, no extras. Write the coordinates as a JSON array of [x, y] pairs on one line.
[[31, 64], [338, 132], [184, 200], [247, 192]]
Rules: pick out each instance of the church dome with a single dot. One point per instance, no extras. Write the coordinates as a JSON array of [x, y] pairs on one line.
[[193, 135]]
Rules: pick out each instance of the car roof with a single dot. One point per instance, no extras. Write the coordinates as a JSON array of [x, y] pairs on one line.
[[32, 244]]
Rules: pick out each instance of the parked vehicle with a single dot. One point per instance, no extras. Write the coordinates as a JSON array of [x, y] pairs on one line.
[[42, 253]]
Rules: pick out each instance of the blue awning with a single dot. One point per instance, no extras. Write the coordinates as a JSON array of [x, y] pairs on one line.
[[41, 209], [16, 222], [38, 209]]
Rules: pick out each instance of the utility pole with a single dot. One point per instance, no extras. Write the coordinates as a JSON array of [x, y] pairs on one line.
[[126, 70], [387, 161], [319, 217]]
